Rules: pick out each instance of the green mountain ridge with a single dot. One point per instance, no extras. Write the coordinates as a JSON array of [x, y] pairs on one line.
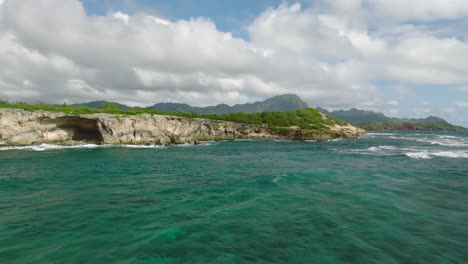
[[278, 103], [371, 120], [101, 104]]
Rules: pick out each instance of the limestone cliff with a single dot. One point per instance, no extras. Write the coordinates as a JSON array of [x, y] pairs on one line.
[[18, 127]]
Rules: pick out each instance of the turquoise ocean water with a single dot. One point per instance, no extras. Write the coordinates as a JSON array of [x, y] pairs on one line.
[[385, 198]]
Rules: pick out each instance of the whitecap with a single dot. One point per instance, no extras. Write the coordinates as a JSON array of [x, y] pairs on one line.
[[387, 147], [47, 147], [418, 155], [447, 136], [373, 149], [450, 154], [185, 145], [137, 146], [380, 134], [44, 147]]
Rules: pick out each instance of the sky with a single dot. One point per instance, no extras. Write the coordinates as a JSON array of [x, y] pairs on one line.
[[402, 58]]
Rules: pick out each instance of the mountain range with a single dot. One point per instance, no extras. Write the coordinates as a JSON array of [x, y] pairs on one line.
[[278, 103], [370, 120], [366, 119]]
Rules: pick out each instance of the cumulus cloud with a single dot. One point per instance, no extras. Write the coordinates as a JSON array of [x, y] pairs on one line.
[[420, 9], [334, 55], [462, 104], [68, 55], [461, 89]]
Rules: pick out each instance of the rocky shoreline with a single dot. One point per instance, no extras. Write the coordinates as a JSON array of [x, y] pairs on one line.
[[23, 128]]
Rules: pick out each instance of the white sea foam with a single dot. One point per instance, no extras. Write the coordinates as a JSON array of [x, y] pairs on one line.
[[441, 154], [138, 146], [46, 147], [447, 136], [418, 155], [440, 140], [450, 154], [380, 134], [373, 149], [382, 148], [387, 147], [412, 152], [185, 145]]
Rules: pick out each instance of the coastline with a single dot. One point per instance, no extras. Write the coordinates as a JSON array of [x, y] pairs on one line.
[[27, 128]]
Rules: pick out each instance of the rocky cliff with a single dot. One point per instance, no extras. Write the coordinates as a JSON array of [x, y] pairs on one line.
[[19, 128]]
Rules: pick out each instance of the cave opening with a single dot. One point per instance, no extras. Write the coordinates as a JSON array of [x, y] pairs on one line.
[[84, 130]]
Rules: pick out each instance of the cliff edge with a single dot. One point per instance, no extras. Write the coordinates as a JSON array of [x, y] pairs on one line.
[[20, 128]]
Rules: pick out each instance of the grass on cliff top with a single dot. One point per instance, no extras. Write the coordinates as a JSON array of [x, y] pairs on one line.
[[309, 118]]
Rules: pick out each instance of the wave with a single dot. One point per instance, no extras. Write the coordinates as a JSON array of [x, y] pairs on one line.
[[373, 149], [442, 154], [450, 154], [46, 147], [387, 147], [440, 140], [380, 134], [418, 155], [381, 150], [412, 152], [136, 146]]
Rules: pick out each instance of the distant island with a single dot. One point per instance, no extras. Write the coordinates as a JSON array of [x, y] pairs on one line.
[[368, 120]]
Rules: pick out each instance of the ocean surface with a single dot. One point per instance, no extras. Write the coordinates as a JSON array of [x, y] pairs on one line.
[[399, 197]]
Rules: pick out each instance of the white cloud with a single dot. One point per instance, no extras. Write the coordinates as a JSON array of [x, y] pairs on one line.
[[122, 17], [332, 56], [460, 88], [123, 56], [420, 9], [462, 104], [290, 30]]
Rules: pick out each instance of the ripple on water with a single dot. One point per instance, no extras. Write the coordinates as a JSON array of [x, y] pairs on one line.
[[372, 200]]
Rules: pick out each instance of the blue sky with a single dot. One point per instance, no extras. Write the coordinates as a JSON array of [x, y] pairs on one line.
[[406, 59], [228, 15]]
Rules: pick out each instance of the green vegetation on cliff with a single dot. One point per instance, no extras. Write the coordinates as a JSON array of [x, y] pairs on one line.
[[308, 118]]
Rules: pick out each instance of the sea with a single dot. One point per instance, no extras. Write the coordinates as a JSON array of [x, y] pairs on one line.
[[387, 197]]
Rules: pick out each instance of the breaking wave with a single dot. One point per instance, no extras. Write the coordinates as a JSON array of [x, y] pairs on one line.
[[415, 145], [418, 155], [415, 153], [46, 147]]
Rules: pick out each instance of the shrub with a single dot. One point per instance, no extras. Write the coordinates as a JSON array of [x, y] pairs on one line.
[[304, 118]]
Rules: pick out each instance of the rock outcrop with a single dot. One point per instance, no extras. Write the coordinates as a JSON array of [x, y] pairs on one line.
[[19, 128]]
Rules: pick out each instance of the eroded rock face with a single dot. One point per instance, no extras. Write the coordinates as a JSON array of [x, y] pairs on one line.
[[18, 127]]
